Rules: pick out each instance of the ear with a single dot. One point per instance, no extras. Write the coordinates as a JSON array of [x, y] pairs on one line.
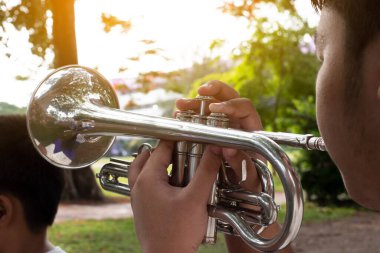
[[6, 210]]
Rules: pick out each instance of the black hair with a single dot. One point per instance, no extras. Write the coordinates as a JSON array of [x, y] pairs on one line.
[[27, 176], [362, 22], [362, 19]]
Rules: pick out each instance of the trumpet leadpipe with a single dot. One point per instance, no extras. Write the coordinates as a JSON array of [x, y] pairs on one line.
[[306, 141]]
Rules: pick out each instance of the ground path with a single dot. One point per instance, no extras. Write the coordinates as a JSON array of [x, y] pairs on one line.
[[93, 211], [355, 234]]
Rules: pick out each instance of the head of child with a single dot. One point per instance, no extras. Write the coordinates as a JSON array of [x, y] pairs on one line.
[[348, 90], [30, 190]]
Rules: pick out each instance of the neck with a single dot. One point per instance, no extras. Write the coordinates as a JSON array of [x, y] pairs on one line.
[[26, 242]]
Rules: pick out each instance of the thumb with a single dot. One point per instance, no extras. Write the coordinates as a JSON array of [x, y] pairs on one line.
[[159, 161], [136, 167], [200, 186]]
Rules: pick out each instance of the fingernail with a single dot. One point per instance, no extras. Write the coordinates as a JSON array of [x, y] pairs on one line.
[[206, 85], [184, 100], [145, 147], [216, 106]]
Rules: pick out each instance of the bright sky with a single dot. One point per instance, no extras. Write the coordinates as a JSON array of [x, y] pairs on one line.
[[182, 29]]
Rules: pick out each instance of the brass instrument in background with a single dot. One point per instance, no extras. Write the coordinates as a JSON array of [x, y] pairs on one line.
[[73, 118]]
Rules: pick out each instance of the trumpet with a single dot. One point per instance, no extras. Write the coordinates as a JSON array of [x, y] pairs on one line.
[[73, 118]]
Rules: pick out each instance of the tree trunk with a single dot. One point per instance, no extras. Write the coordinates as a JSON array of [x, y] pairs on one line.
[[80, 184], [64, 40]]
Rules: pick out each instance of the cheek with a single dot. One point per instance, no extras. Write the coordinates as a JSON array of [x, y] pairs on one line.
[[329, 105], [327, 97]]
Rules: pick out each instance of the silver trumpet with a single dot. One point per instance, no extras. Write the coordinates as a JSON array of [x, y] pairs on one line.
[[73, 118]]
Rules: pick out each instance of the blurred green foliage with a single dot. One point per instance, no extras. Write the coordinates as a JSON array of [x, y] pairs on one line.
[[276, 69], [30, 15], [8, 109]]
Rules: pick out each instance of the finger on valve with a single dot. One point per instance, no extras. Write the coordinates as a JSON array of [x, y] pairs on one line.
[[219, 90], [241, 113]]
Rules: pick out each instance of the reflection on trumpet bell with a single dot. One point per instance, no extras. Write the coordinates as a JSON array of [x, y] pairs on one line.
[[56, 117], [73, 119]]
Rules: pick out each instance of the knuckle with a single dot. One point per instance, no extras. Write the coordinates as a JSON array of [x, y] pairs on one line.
[[246, 101], [217, 82]]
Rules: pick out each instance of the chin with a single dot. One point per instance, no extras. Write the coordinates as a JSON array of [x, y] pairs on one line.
[[359, 167]]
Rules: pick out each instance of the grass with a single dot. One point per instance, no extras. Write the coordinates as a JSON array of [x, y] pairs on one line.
[[313, 213], [117, 236], [106, 236]]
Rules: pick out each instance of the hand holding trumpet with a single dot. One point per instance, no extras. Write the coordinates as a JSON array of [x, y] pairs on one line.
[[73, 117], [174, 219]]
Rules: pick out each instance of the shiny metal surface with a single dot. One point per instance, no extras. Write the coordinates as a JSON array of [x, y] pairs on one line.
[[216, 120], [109, 177], [110, 173], [73, 118], [55, 117], [306, 141], [179, 176]]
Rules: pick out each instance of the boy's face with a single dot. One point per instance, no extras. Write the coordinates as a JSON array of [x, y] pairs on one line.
[[330, 81], [351, 133]]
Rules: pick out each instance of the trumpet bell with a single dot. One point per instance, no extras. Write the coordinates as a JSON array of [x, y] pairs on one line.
[[54, 116]]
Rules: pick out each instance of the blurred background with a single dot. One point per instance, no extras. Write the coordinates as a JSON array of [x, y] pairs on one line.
[[154, 52]]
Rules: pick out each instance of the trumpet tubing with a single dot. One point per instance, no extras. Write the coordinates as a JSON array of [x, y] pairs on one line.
[[73, 118]]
